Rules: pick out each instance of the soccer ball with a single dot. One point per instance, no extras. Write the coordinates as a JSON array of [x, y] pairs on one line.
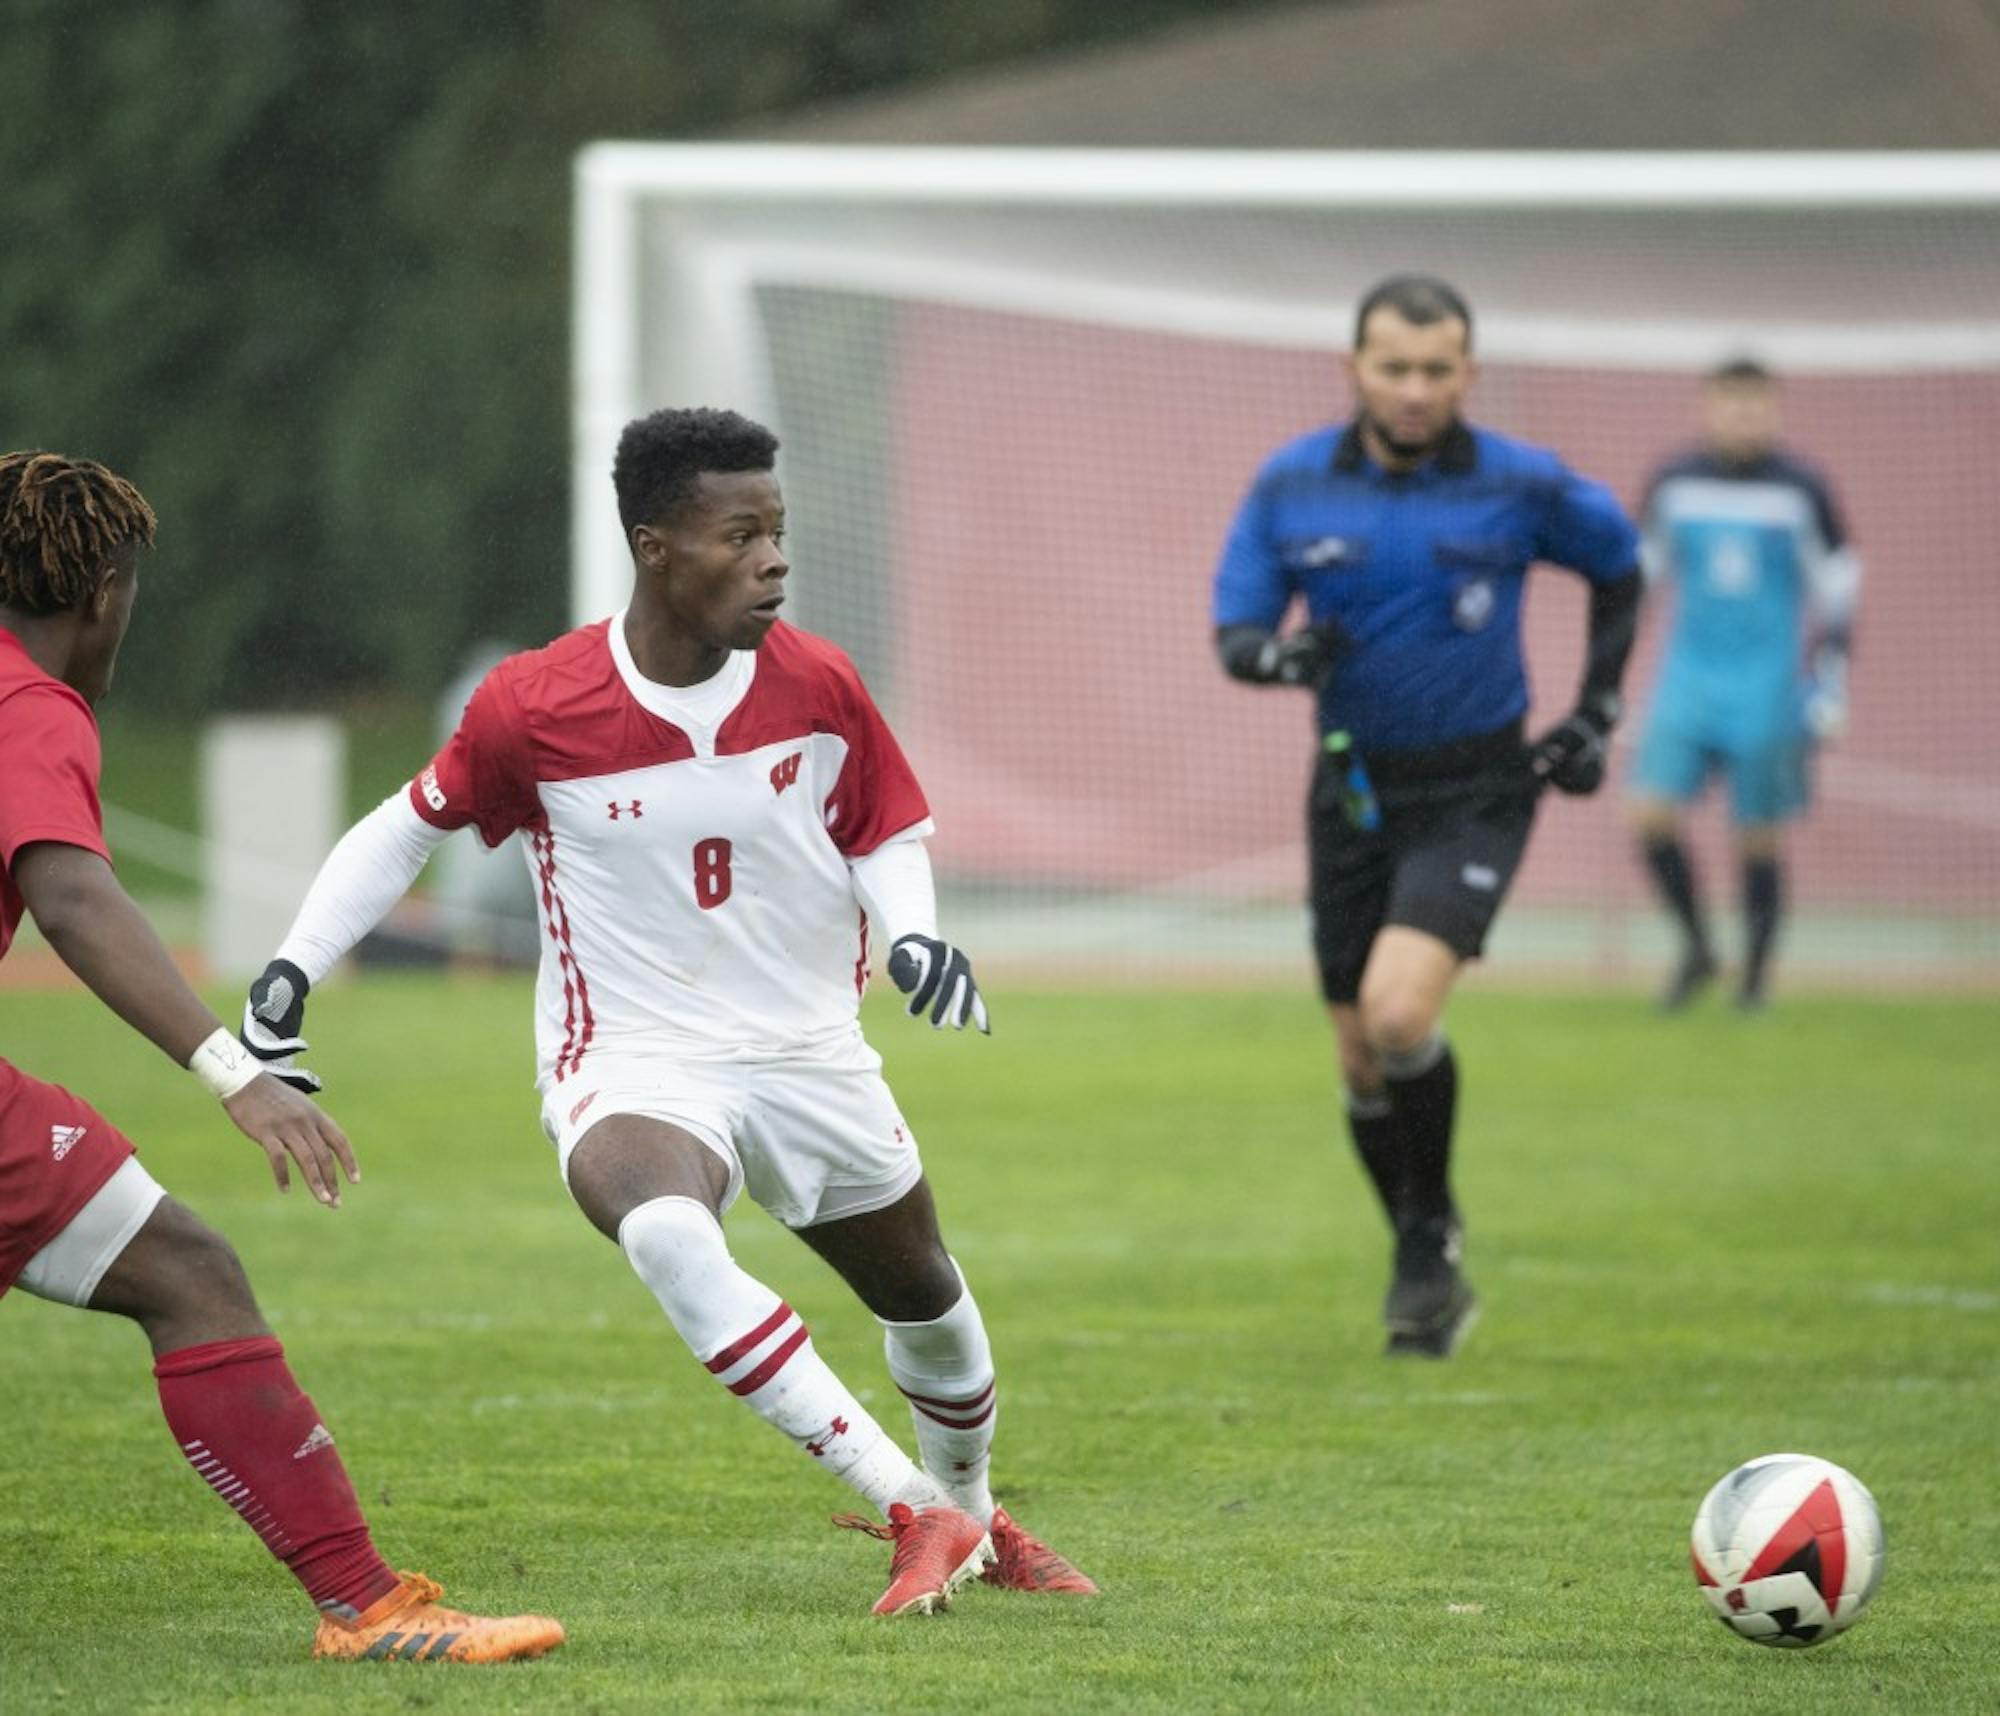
[[1788, 1550]]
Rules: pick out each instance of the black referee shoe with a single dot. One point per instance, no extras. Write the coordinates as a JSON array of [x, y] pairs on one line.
[[1430, 1305]]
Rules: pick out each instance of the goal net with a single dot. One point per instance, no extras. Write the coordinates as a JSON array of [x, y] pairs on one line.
[[1021, 392]]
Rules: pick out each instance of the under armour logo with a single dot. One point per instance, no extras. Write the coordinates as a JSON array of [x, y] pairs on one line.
[[64, 1139], [617, 810], [783, 774], [818, 1449]]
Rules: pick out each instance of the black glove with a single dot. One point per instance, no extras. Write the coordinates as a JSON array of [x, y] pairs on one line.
[[273, 1016], [931, 971], [1305, 657], [1571, 755]]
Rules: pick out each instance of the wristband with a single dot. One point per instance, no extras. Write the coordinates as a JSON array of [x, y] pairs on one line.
[[223, 1065]]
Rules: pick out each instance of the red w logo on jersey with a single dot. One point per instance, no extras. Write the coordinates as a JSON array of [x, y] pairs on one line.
[[785, 773]]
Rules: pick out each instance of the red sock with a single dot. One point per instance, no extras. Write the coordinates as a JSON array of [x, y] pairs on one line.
[[258, 1441]]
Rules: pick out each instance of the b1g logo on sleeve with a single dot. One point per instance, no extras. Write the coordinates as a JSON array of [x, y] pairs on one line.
[[427, 784]]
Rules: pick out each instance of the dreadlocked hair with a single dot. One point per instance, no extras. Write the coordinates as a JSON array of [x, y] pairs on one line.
[[60, 519]]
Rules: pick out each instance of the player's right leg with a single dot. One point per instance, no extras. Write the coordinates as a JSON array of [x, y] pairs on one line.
[[658, 1190], [1669, 774], [245, 1426]]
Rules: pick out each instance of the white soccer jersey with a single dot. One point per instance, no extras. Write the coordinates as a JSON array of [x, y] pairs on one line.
[[693, 879]]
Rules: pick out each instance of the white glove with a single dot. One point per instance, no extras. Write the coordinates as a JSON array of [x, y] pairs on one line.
[[1826, 700]]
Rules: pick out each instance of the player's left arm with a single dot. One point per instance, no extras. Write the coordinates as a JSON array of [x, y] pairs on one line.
[[897, 890], [1587, 530], [1833, 594]]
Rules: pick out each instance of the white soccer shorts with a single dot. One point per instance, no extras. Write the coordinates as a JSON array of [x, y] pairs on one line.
[[70, 1266], [811, 1138]]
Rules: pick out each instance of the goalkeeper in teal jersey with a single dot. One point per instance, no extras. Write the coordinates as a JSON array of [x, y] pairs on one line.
[[1755, 669]]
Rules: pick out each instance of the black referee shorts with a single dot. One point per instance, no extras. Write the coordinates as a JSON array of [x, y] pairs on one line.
[[1441, 861]]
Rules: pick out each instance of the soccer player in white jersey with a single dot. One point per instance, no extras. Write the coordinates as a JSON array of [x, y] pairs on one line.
[[710, 801]]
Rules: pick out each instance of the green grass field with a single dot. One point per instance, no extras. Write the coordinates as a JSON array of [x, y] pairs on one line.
[[1696, 1240]]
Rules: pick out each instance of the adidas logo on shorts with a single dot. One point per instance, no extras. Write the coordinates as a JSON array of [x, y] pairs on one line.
[[64, 1139]]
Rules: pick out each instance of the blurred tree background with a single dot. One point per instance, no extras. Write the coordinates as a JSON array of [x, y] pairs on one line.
[[302, 271]]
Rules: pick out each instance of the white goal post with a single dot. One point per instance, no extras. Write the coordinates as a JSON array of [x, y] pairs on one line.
[[1086, 350]]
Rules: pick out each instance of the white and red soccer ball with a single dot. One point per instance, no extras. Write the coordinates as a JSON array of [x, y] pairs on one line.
[[1788, 1550]]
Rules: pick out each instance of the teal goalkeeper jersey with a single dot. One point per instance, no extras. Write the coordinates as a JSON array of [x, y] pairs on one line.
[[1744, 549]]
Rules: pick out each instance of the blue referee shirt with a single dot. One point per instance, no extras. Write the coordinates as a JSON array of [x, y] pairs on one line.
[[1424, 571]]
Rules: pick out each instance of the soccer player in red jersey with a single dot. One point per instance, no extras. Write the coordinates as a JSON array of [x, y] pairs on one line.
[[711, 802], [81, 1222]]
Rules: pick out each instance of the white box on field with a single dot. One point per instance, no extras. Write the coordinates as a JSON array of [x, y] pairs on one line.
[[273, 802]]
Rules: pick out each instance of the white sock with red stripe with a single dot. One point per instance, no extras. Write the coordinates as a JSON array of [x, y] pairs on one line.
[[945, 1370], [757, 1348]]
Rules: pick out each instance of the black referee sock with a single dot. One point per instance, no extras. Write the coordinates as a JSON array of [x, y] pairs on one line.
[[1423, 1095], [1763, 908], [1371, 1118], [1673, 874]]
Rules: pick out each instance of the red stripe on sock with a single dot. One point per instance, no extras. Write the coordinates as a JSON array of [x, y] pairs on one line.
[[965, 1405], [772, 1365], [955, 1423], [762, 1332]]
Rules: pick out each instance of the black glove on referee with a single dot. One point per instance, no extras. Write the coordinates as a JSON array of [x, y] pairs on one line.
[[1306, 657], [273, 1016], [935, 974], [1571, 755]]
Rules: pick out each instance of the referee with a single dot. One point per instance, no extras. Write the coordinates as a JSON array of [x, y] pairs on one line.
[[1406, 536]]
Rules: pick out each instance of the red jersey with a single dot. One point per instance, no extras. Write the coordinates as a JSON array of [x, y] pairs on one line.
[[691, 867], [49, 764]]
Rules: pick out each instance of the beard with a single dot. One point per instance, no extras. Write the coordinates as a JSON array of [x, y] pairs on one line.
[[1406, 452]]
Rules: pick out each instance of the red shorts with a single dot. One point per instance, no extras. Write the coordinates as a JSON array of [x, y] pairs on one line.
[[56, 1152]]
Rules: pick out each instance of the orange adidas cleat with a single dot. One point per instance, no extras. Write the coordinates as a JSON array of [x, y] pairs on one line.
[[1025, 1563], [411, 1625], [937, 1550]]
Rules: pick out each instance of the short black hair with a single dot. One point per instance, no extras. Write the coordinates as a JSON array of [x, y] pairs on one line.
[[1419, 299], [1741, 369], [659, 457], [60, 520]]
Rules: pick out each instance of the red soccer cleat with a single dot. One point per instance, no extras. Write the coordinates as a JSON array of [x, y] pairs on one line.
[[1025, 1563], [937, 1550]]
